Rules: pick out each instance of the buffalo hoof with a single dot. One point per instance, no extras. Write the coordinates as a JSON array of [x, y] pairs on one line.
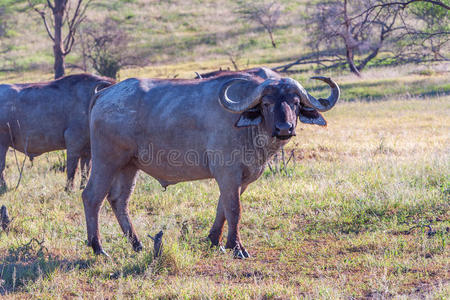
[[137, 246], [214, 239], [246, 254], [240, 254], [222, 249], [97, 248], [102, 253]]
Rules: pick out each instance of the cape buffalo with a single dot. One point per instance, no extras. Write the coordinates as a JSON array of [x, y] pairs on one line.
[[262, 72], [225, 127], [40, 117]]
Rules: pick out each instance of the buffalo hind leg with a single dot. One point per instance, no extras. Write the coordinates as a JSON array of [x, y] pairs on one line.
[[119, 195], [94, 194], [3, 150]]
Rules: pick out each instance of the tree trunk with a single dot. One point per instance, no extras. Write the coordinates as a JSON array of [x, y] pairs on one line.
[[375, 51], [351, 63], [348, 40], [272, 40], [58, 52], [371, 56], [59, 61]]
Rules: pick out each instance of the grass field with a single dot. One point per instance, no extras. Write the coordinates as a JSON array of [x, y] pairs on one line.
[[163, 32], [347, 219]]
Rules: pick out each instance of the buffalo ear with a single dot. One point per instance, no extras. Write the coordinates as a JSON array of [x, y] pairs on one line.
[[251, 117], [311, 116]]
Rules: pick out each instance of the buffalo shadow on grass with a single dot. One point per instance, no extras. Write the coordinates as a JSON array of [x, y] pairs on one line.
[[30, 262]]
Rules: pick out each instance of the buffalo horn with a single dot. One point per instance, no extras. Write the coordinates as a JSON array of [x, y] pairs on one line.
[[241, 105], [319, 104]]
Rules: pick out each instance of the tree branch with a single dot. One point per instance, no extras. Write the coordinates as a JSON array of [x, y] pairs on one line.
[[52, 7], [306, 61], [73, 24], [44, 19], [403, 5]]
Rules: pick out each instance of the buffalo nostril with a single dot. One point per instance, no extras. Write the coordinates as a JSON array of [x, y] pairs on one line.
[[284, 129]]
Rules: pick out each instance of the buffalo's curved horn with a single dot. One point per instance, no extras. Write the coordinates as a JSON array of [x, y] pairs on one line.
[[96, 90], [242, 104], [102, 85], [319, 104]]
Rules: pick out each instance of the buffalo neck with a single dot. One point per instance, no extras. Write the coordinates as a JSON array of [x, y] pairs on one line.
[[264, 145]]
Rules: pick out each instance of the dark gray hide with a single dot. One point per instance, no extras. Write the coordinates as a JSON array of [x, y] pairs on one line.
[[40, 117]]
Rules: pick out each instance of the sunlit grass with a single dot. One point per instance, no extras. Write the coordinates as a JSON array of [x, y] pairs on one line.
[[163, 32], [347, 222]]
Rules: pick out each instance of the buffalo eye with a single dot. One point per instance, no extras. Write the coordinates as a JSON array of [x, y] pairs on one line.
[[294, 103], [266, 103]]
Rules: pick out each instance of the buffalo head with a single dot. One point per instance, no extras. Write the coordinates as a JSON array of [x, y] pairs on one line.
[[276, 103]]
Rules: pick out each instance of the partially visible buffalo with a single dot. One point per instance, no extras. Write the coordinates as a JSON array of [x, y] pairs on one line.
[[40, 117], [226, 127], [262, 72]]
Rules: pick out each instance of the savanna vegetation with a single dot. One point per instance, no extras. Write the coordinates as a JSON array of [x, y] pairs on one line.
[[359, 209]]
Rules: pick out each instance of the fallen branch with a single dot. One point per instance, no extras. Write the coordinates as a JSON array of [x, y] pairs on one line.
[[430, 232], [307, 61], [157, 244]]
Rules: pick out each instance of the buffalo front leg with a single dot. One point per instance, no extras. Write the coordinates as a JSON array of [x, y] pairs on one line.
[[119, 195], [85, 164], [77, 143], [72, 165], [215, 234], [230, 190], [3, 150]]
